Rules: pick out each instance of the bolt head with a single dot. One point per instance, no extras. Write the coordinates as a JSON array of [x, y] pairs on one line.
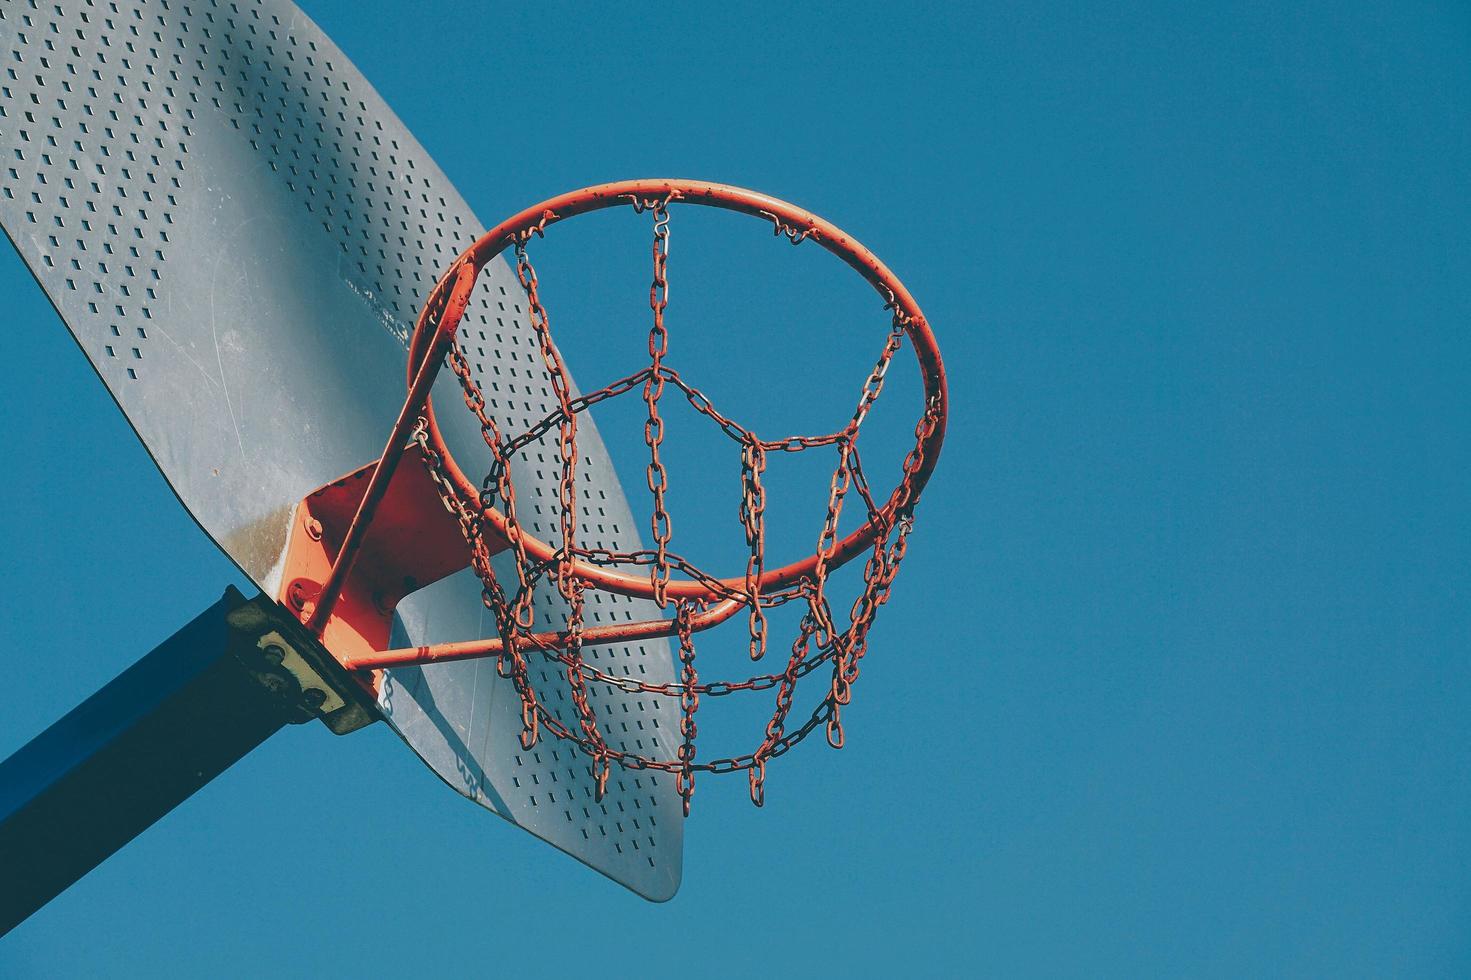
[[274, 683]]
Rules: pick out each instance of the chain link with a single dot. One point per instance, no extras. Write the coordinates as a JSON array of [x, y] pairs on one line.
[[653, 389], [689, 703], [753, 519]]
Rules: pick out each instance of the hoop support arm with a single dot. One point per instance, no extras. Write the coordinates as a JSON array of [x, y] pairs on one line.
[[555, 640], [418, 395]]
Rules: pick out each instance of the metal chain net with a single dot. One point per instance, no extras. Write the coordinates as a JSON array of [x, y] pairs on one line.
[[821, 643]]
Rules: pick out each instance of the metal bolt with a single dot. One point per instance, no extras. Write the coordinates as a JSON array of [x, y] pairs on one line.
[[274, 683], [273, 653], [314, 697]]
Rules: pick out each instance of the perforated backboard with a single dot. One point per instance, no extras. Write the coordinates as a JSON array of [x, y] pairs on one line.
[[239, 233]]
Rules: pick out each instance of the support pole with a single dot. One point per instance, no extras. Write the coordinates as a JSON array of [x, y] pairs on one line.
[[154, 736]]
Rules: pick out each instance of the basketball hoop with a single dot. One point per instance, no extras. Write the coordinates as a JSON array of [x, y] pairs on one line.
[[486, 514]]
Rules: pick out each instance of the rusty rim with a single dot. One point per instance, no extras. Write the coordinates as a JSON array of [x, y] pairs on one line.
[[798, 225]]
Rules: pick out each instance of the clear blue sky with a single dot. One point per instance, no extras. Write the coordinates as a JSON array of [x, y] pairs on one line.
[[1176, 680]]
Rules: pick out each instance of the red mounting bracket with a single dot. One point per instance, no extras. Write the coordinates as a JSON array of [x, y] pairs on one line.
[[415, 542]]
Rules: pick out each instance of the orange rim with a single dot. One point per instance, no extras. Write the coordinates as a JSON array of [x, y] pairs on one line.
[[797, 224]]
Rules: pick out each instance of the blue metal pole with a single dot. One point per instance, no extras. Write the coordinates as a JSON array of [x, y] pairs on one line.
[[154, 736]]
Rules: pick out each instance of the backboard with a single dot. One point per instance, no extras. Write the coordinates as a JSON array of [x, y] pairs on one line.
[[239, 234]]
